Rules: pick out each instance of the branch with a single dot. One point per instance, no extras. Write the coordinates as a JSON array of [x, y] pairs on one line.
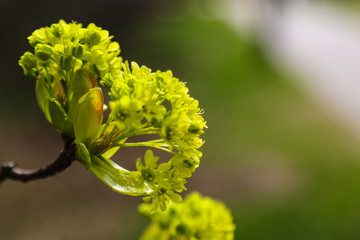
[[67, 156]]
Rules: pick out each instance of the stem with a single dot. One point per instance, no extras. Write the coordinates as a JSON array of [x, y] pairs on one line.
[[133, 134], [152, 143], [159, 144], [166, 150], [146, 133], [62, 162], [57, 63]]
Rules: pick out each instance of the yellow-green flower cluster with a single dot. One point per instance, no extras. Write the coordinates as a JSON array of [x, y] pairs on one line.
[[67, 62], [66, 47], [144, 102], [157, 103], [196, 218]]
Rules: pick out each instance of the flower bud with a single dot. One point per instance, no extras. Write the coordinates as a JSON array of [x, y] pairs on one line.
[[38, 36], [59, 29], [148, 175], [28, 63], [156, 121], [43, 52], [78, 51], [56, 30], [67, 62], [194, 128], [93, 38]]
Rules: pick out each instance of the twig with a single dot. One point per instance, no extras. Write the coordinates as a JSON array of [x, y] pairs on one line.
[[9, 170]]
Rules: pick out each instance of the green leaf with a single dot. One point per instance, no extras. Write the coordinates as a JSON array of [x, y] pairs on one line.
[[88, 116], [42, 95], [59, 118], [81, 82], [118, 178]]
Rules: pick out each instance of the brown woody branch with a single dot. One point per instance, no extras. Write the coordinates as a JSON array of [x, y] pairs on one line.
[[9, 170]]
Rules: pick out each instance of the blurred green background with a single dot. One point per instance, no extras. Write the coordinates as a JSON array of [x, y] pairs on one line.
[[285, 169]]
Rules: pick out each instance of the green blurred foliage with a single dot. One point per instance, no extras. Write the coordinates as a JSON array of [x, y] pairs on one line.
[[257, 117]]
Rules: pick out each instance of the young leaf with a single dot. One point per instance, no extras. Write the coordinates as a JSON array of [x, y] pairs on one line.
[[118, 178], [83, 155], [59, 93], [42, 95], [88, 116], [59, 118], [81, 82], [109, 153]]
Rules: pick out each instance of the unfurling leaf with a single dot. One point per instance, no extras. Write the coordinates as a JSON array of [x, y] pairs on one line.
[[88, 116], [83, 155], [81, 82], [118, 178], [42, 95], [59, 118]]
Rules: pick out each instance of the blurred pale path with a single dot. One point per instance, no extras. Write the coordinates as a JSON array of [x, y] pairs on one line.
[[319, 43]]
